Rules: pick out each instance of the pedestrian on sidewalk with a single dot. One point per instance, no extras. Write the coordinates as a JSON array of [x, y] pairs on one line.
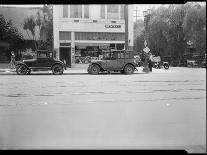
[[150, 61], [12, 62]]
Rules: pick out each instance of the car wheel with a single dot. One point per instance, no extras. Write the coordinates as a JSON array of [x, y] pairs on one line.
[[21, 69], [166, 66], [129, 69], [95, 69], [57, 69]]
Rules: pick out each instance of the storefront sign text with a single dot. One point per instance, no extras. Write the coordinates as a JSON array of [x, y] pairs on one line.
[[112, 26]]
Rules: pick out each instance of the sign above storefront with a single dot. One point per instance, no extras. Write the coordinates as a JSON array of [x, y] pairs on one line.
[[81, 47], [112, 26]]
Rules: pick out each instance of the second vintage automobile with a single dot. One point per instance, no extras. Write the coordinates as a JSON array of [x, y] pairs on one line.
[[114, 60], [44, 61]]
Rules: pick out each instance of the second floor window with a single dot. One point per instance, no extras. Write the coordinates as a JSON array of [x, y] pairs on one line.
[[65, 11], [76, 11], [86, 11], [122, 12], [102, 11], [112, 12]]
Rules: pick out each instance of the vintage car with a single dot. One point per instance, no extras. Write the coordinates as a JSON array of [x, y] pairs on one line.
[[114, 60], [196, 61], [44, 61]]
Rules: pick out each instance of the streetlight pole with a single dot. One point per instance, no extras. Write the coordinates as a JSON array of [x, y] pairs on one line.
[[126, 25], [147, 15]]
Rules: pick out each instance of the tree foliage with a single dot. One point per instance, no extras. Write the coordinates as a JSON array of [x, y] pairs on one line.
[[9, 33], [41, 24], [170, 28]]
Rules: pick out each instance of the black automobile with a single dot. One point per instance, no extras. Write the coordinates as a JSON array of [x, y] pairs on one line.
[[114, 60], [44, 61]]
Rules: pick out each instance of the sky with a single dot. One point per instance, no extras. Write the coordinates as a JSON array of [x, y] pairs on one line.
[[143, 7]]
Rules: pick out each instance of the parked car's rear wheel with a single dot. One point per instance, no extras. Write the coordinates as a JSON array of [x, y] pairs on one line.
[[21, 69], [57, 69], [95, 69], [128, 69], [166, 66]]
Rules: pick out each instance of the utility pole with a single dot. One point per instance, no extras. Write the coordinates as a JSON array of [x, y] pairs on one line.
[[126, 25], [147, 15]]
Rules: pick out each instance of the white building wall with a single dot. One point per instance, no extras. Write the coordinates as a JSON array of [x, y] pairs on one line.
[[87, 25], [130, 25], [56, 29], [94, 12]]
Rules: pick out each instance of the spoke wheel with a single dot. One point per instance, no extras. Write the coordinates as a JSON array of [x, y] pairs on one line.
[[129, 69], [95, 69], [21, 70], [57, 69]]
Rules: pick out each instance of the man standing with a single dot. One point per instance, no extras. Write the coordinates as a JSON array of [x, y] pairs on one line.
[[12, 62], [150, 61]]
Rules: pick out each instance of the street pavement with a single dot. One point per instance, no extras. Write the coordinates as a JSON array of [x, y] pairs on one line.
[[165, 109]]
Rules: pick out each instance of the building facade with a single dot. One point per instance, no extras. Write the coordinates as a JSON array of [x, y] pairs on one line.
[[82, 32]]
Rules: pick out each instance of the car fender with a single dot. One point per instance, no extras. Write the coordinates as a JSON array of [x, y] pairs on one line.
[[63, 65], [128, 64], [21, 63], [97, 65]]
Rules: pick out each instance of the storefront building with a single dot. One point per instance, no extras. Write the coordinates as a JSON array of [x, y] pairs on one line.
[[83, 32]]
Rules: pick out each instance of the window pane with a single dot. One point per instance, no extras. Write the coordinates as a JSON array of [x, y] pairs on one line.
[[86, 11], [76, 11], [112, 11], [65, 11], [122, 12], [64, 35], [102, 11]]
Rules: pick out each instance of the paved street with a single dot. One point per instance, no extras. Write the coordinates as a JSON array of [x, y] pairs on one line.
[[165, 109]]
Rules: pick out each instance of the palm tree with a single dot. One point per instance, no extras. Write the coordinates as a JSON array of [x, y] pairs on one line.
[[29, 26]]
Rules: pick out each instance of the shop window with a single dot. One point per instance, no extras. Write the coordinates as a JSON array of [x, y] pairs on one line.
[[102, 11], [86, 11], [65, 11], [120, 46], [99, 36], [75, 11], [112, 12], [64, 35]]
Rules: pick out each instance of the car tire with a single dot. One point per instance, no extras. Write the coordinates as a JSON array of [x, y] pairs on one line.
[[57, 69], [129, 69], [95, 69], [21, 69], [166, 66]]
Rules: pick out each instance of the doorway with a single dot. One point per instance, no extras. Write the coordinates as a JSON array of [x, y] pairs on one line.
[[65, 55]]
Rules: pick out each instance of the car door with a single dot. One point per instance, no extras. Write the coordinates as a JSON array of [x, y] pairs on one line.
[[120, 60], [112, 63], [43, 61]]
